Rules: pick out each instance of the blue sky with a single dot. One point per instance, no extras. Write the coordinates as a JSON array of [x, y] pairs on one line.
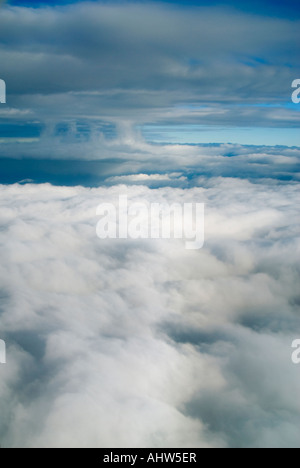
[[203, 134], [289, 8]]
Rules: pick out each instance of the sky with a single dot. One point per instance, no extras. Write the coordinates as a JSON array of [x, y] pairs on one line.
[[286, 8], [142, 343], [90, 75]]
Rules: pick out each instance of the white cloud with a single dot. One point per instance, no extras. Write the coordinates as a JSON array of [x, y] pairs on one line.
[[144, 178], [142, 343]]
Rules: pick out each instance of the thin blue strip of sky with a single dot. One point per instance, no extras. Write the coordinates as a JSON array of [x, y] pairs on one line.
[[201, 134], [287, 8]]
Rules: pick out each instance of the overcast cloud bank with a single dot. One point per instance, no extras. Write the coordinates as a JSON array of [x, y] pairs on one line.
[[108, 67], [142, 343]]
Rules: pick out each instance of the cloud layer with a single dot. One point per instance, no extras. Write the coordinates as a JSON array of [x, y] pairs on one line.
[[91, 69], [135, 161], [142, 343]]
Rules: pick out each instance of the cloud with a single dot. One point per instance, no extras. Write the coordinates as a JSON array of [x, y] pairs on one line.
[[124, 161], [148, 179], [129, 64], [143, 343]]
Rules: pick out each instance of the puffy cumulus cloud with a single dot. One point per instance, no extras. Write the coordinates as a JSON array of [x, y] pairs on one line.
[[124, 343]]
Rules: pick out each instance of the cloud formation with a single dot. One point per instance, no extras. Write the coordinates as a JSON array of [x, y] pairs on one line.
[[142, 343], [88, 66], [135, 161], [127, 343]]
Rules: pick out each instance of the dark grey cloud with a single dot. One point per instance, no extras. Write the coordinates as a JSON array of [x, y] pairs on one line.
[[136, 64]]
